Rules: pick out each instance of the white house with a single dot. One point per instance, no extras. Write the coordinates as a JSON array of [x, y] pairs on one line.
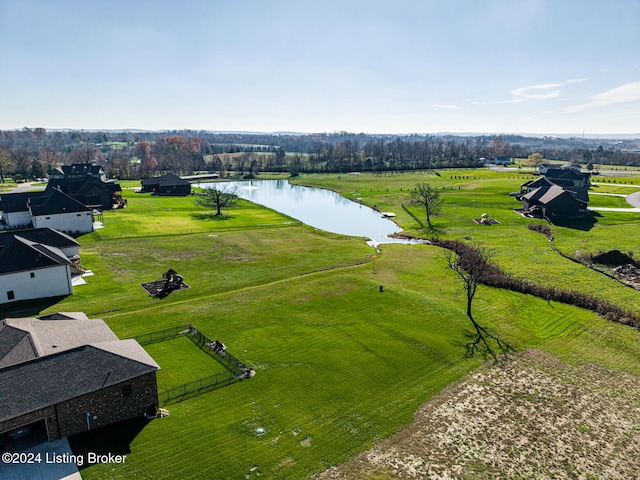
[[14, 209], [30, 270], [62, 212]]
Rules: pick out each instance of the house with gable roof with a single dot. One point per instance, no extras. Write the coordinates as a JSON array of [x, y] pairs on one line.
[[562, 193], [553, 203], [58, 210], [53, 208], [168, 184], [36, 263], [64, 374], [14, 208], [88, 180]]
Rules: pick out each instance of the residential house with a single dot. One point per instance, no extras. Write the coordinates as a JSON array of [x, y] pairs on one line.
[[78, 171], [58, 210], [51, 208], [30, 269], [168, 184], [98, 194], [568, 177], [553, 203], [65, 374], [15, 208], [46, 236]]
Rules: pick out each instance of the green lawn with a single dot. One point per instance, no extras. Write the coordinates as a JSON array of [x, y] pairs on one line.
[[181, 361], [339, 364]]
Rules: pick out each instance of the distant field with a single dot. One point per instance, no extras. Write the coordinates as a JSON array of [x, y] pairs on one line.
[[339, 364]]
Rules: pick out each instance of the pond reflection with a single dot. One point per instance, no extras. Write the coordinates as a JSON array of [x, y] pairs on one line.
[[323, 209]]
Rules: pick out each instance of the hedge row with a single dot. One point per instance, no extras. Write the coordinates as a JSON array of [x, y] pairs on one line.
[[494, 277]]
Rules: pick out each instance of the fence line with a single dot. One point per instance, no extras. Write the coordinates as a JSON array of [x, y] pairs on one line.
[[236, 370], [195, 388], [161, 335]]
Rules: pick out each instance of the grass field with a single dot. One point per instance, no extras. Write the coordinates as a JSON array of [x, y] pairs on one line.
[[339, 364]]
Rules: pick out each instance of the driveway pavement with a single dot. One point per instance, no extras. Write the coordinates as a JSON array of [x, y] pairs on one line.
[[46, 461]]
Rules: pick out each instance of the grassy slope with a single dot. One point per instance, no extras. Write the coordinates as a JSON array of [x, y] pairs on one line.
[[339, 364]]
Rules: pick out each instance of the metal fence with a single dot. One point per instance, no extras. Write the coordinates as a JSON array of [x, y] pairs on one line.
[[236, 370], [161, 335], [208, 346], [197, 387]]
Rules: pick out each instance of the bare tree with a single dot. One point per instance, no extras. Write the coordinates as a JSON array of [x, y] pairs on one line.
[[5, 163], [470, 269], [429, 198], [218, 198]]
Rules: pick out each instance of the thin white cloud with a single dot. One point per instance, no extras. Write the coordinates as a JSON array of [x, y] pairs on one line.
[[446, 106], [629, 92], [544, 91]]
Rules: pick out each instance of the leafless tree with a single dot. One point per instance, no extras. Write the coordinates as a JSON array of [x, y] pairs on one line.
[[218, 198], [470, 270], [429, 198]]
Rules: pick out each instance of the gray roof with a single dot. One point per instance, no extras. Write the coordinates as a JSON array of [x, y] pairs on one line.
[[29, 386], [15, 346], [53, 336], [47, 360]]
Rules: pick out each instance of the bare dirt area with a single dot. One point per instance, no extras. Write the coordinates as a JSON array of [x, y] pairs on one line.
[[533, 417]]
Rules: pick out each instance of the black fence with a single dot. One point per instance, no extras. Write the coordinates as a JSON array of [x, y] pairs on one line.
[[161, 335], [236, 370], [197, 387], [216, 350]]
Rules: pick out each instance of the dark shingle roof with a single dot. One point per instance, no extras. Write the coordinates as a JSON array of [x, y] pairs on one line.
[[17, 202], [56, 202], [47, 236], [21, 254], [49, 380]]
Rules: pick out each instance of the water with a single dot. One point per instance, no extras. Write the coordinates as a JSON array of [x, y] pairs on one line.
[[318, 208]]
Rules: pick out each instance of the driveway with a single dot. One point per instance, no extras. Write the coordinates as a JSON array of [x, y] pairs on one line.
[[634, 199], [43, 463]]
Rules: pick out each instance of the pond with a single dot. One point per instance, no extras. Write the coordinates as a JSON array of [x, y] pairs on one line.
[[322, 209]]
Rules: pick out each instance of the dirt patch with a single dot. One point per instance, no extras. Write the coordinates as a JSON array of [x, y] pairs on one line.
[[532, 417]]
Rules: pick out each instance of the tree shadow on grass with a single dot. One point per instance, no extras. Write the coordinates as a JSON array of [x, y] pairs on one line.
[[115, 438], [434, 230], [212, 217]]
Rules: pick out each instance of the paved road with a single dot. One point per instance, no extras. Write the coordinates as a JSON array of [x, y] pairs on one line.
[[634, 199]]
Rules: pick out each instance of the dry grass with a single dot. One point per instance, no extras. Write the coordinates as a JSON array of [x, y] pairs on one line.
[[532, 417]]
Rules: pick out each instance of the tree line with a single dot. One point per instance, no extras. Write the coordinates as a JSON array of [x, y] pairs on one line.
[[34, 153]]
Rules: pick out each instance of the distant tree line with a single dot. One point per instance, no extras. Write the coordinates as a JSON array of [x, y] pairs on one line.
[[33, 153]]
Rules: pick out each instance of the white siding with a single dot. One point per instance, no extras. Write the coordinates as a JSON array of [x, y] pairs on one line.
[[45, 282], [66, 222], [17, 219]]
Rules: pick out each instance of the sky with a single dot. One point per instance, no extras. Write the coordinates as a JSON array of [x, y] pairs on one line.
[[371, 66]]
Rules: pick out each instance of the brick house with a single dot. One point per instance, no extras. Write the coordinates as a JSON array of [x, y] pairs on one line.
[[67, 374]]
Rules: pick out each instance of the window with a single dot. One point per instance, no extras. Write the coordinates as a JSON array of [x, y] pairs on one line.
[[11, 295], [33, 274], [126, 390]]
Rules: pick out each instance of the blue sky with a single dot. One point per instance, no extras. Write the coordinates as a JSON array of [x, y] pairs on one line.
[[396, 66]]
